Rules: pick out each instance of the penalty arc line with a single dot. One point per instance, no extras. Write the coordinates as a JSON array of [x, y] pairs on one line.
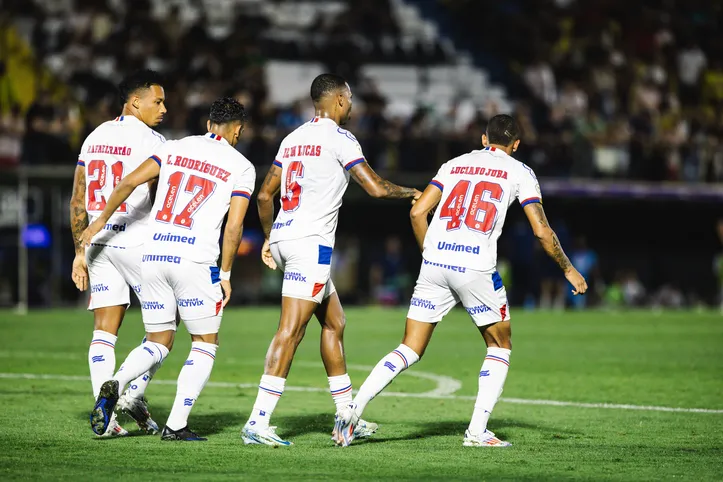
[[518, 401]]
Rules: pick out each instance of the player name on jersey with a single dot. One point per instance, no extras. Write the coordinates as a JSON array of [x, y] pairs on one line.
[[112, 150], [200, 166], [306, 151], [479, 171]]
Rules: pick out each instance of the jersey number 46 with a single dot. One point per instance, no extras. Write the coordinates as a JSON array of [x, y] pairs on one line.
[[477, 214]]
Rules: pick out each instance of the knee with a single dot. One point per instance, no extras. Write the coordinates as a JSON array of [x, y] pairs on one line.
[[335, 328], [109, 325], [500, 340], [165, 338], [290, 336]]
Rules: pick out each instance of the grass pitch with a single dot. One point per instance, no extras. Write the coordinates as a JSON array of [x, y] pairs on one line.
[[640, 359]]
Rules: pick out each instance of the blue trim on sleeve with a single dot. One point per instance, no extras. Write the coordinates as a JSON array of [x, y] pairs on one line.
[[242, 194], [530, 201], [278, 164], [157, 159], [437, 184], [81, 163], [354, 163]]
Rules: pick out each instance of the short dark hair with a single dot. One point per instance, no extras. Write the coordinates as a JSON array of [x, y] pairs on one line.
[[325, 84], [502, 130], [227, 109], [141, 79]]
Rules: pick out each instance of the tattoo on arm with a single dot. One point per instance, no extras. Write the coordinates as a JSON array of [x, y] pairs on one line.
[[386, 189], [78, 214], [549, 240]]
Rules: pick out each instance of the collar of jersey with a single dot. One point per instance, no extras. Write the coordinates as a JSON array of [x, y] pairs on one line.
[[129, 119], [319, 120], [216, 137], [495, 150]]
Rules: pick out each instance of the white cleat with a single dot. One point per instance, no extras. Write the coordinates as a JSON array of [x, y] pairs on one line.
[[363, 429], [486, 439], [114, 430], [254, 436], [345, 423], [137, 409]]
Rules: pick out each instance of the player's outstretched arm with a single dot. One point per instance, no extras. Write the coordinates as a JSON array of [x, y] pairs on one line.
[[231, 240], [378, 187], [144, 173], [265, 204], [420, 212], [78, 223], [541, 227]]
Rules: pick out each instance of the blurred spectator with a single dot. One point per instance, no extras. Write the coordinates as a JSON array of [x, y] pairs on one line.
[[388, 277], [585, 261]]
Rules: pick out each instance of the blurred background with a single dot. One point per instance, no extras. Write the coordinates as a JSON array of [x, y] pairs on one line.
[[620, 102]]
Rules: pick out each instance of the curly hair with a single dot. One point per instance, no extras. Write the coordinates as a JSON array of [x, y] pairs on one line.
[[227, 109]]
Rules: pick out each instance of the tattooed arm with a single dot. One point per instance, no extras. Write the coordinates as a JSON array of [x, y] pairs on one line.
[[265, 204], [378, 187], [551, 244], [78, 214]]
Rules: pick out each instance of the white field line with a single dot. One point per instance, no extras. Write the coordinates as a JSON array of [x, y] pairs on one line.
[[519, 401]]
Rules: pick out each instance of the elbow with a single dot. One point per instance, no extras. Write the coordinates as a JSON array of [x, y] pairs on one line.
[[376, 192], [417, 214], [263, 198], [543, 234]]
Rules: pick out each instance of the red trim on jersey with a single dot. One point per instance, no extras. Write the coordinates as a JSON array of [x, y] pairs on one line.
[[437, 184], [241, 193], [156, 158], [530, 200], [353, 163], [278, 163]]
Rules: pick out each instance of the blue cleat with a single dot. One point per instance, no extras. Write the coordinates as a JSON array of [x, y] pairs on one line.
[[102, 412]]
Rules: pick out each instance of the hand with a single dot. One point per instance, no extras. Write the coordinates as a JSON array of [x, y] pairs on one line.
[[577, 281], [266, 255], [226, 289], [93, 229], [415, 198], [80, 272]]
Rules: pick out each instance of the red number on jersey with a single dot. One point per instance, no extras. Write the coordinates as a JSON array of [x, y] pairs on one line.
[[290, 201], [203, 188], [99, 170], [454, 207]]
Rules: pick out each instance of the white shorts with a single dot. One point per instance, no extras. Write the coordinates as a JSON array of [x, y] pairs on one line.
[[171, 283], [440, 287], [306, 264], [111, 272]]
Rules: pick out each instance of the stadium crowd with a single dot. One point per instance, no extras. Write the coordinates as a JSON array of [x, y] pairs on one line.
[[603, 88]]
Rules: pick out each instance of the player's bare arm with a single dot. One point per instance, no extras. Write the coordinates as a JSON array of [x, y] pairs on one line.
[[378, 187], [420, 212], [144, 173], [232, 239], [265, 204], [78, 223], [551, 244]]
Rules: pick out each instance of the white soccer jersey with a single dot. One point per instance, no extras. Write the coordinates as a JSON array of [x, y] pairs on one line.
[[112, 150], [315, 160], [199, 175], [477, 189]]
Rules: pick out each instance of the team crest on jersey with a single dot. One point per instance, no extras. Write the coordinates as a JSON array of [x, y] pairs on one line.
[[348, 134], [532, 173]]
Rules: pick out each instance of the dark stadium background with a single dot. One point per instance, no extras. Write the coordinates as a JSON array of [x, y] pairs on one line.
[[620, 104]]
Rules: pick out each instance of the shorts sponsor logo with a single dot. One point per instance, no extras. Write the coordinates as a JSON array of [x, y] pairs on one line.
[[115, 227], [291, 276], [426, 304], [391, 366], [484, 373], [174, 238], [281, 225], [163, 258], [152, 305], [190, 302], [444, 246], [475, 310], [98, 288], [458, 269]]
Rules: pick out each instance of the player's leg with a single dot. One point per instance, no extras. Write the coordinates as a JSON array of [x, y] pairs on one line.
[[431, 301], [199, 297], [485, 299]]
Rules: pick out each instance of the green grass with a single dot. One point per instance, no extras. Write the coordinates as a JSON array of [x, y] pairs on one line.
[[672, 359]]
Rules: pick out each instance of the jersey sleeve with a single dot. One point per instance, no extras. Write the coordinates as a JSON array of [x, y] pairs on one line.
[[82, 155], [528, 189], [157, 146], [439, 178], [245, 182], [349, 152]]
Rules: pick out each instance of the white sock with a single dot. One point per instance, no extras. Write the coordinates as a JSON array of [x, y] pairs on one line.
[[388, 367], [101, 359], [137, 388], [270, 391], [193, 377], [139, 361], [340, 388], [491, 380]]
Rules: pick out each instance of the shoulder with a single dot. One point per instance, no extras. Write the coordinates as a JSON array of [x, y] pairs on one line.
[[345, 133], [242, 165]]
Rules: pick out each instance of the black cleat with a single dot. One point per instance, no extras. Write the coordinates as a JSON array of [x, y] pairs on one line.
[[183, 435], [104, 406]]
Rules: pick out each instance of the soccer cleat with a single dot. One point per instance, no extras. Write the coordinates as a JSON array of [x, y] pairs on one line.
[[363, 429], [114, 429], [137, 409], [487, 439], [182, 435], [345, 422], [254, 436], [102, 412]]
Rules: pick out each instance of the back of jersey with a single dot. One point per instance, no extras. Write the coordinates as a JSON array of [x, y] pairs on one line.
[[199, 176], [477, 189], [315, 160], [112, 150]]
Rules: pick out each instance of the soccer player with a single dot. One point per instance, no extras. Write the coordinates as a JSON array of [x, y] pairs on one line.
[[312, 171], [112, 262], [201, 178], [459, 251]]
